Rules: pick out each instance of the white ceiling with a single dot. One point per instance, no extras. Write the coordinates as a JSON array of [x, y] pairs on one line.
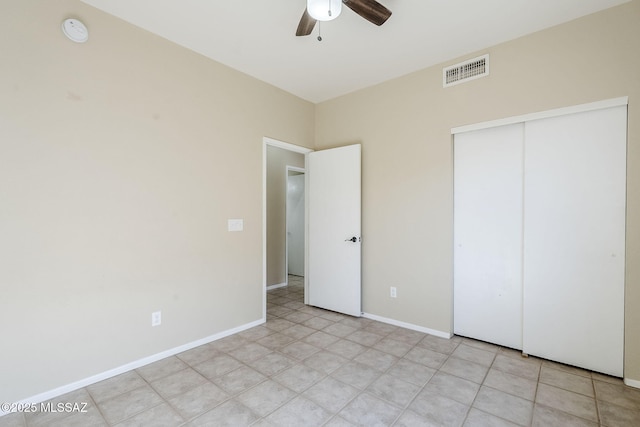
[[258, 38]]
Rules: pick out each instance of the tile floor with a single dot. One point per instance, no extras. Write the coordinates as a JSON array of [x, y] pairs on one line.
[[311, 367]]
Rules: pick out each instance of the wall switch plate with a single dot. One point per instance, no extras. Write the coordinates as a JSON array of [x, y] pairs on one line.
[[156, 318], [235, 224], [393, 292]]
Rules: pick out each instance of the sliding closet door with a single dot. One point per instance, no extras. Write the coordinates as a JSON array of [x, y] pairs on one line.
[[574, 238], [488, 234]]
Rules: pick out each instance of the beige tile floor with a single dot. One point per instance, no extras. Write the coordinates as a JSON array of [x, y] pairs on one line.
[[311, 367]]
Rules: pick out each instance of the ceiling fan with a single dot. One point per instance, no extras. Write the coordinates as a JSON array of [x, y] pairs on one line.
[[326, 10]]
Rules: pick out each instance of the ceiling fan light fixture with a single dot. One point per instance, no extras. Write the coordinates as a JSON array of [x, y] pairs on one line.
[[324, 10]]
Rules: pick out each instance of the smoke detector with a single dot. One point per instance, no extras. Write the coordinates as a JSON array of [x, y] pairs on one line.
[[75, 30]]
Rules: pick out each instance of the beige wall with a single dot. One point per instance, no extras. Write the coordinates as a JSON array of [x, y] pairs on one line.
[[404, 127], [277, 161], [120, 162]]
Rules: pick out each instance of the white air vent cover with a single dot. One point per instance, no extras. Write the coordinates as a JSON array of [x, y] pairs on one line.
[[465, 71]]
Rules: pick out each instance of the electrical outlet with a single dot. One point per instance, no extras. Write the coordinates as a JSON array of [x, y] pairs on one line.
[[156, 318], [393, 292]]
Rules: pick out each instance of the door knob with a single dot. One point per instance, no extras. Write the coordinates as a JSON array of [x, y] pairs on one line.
[[353, 239]]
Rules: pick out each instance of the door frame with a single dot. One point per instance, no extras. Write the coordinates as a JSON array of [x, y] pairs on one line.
[[266, 141]]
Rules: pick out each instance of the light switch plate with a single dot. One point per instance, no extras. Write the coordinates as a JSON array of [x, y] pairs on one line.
[[236, 225]]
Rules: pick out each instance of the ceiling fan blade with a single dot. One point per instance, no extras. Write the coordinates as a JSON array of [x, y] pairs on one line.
[[370, 10], [305, 27]]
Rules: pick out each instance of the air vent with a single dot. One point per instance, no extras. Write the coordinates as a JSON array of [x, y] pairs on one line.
[[465, 71]]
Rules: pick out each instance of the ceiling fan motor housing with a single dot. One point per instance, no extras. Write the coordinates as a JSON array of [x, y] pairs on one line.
[[324, 10]]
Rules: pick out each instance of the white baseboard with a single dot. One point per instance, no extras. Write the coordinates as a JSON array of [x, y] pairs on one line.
[[405, 325], [276, 286], [59, 391], [632, 383]]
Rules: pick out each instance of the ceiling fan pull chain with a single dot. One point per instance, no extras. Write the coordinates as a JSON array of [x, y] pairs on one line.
[[319, 31]]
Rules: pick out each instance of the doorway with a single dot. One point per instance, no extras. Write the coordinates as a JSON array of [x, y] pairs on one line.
[[280, 160], [295, 224], [332, 265]]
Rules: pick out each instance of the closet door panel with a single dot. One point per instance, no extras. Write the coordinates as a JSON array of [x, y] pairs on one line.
[[574, 239], [488, 235]]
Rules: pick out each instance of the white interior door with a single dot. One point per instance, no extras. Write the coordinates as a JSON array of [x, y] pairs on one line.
[[574, 256], [333, 264], [295, 223], [488, 234]]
